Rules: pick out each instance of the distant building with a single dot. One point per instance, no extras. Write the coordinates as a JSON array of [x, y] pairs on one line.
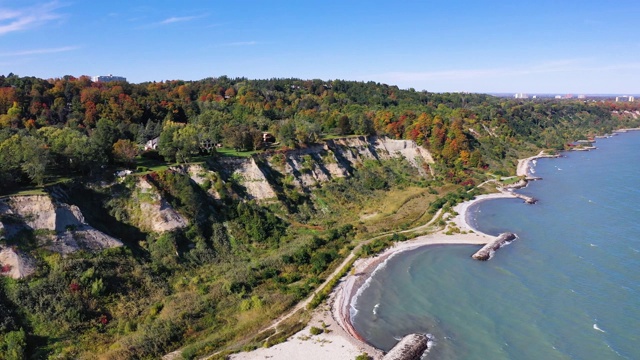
[[108, 78], [558, 97], [625, 98], [582, 96], [521, 96], [152, 144]]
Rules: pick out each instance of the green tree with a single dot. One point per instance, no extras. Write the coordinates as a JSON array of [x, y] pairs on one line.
[[35, 158], [15, 344], [104, 136], [186, 142]]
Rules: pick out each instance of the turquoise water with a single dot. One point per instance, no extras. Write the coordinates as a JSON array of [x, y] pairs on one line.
[[567, 288]]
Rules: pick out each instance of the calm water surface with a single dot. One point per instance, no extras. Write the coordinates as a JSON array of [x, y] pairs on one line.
[[568, 288]]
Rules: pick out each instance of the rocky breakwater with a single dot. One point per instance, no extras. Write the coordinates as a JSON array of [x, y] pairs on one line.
[[411, 347], [487, 251]]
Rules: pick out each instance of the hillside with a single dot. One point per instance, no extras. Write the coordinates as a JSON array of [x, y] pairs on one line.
[[216, 232]]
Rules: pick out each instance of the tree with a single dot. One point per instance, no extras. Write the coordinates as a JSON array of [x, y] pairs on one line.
[[15, 344], [10, 159], [241, 137], [125, 151], [35, 158], [167, 147], [344, 125], [186, 142], [104, 136]]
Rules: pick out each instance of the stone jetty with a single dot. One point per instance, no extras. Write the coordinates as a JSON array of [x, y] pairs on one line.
[[486, 251], [411, 347], [527, 199]]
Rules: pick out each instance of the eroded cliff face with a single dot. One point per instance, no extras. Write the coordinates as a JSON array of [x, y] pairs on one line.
[[62, 228], [310, 167], [152, 212], [58, 227]]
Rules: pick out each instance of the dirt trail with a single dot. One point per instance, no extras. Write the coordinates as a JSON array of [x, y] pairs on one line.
[[303, 304]]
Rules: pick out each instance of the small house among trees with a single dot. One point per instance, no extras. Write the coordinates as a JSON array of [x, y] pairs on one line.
[[152, 144]]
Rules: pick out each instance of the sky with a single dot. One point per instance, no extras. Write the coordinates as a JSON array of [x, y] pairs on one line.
[[542, 46]]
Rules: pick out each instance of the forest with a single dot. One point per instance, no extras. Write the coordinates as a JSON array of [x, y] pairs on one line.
[[75, 126], [238, 263]]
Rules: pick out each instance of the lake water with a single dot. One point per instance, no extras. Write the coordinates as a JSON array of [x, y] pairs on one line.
[[567, 288]]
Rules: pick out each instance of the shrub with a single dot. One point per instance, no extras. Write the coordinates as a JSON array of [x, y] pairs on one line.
[[315, 331]]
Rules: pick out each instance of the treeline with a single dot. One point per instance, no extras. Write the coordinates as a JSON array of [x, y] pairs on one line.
[[73, 125]]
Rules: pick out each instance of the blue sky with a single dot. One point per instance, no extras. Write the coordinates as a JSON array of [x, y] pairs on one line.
[[578, 47]]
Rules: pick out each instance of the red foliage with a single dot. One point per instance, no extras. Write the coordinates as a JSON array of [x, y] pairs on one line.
[[74, 287], [468, 182], [103, 320], [5, 268]]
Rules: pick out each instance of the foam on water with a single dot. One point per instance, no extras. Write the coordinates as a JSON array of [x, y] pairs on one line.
[[353, 310]]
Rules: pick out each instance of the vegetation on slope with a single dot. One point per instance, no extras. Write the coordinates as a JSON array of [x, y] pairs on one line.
[[236, 264]]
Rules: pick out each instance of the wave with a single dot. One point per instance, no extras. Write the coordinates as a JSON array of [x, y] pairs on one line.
[[615, 351], [595, 326], [353, 310], [375, 309], [431, 342]]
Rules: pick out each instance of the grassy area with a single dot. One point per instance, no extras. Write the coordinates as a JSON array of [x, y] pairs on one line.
[[232, 152], [332, 137], [510, 180], [35, 189], [396, 210]]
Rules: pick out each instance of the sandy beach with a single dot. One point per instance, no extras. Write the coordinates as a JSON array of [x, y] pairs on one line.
[[343, 342], [524, 164]]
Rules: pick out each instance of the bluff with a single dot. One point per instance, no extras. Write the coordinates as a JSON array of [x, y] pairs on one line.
[[261, 177], [57, 226]]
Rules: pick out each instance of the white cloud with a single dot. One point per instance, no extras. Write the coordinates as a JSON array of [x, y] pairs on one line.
[[39, 51], [241, 43], [12, 20], [176, 19]]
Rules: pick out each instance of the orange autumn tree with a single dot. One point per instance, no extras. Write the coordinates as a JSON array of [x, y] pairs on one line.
[[125, 151]]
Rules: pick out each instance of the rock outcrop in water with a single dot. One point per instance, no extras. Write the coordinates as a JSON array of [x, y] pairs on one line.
[[411, 347], [487, 250]]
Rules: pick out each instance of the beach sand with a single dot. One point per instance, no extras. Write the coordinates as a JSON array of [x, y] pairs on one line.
[[343, 342]]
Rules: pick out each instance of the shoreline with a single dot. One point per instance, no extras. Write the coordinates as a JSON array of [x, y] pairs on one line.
[[524, 166], [343, 341], [345, 294]]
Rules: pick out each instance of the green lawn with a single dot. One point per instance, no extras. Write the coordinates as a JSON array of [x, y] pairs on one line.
[[35, 189], [332, 137], [510, 180], [231, 152]]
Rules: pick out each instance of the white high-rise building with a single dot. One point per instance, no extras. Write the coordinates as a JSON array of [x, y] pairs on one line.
[[108, 78]]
